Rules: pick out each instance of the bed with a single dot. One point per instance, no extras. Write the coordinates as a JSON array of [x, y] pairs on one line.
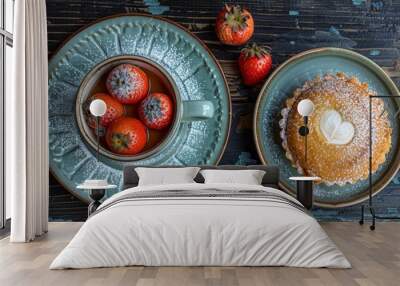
[[198, 224]]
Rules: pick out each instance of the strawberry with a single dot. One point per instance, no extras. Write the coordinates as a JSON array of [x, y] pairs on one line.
[[126, 136], [234, 25], [114, 110], [255, 63], [127, 83], [156, 111]]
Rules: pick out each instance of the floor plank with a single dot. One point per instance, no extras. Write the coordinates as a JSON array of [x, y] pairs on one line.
[[375, 257]]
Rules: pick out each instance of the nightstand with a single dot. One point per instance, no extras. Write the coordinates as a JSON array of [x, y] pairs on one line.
[[96, 193], [305, 187]]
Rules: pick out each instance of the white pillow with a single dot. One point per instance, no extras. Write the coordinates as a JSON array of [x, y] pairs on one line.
[[248, 177], [166, 176]]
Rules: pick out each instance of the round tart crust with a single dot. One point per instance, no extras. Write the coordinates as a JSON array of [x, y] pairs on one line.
[[338, 142]]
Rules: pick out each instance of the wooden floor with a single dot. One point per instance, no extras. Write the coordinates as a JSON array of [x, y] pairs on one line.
[[375, 257]]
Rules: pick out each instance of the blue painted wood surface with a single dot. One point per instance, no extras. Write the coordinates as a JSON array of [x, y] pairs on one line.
[[369, 27]]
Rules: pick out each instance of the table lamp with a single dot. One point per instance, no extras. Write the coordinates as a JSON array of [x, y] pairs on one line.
[[97, 108], [305, 108]]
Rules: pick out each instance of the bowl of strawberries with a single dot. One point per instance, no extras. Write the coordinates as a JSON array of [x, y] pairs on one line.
[[141, 107], [144, 108]]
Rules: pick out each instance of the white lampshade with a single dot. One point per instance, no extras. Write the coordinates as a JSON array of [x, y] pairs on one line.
[[305, 107], [98, 107]]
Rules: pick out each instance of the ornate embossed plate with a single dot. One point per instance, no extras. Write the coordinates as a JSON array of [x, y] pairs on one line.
[[192, 68], [291, 75]]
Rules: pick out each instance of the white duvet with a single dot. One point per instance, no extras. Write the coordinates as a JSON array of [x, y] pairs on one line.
[[200, 231]]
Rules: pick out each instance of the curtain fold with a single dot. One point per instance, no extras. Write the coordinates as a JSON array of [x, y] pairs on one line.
[[27, 124]]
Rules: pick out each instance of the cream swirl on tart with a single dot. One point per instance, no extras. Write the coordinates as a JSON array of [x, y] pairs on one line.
[[335, 130], [338, 142]]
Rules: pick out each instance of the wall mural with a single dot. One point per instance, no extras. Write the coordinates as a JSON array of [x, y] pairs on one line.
[[163, 114]]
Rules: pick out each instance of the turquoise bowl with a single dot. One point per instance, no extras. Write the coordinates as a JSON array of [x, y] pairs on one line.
[[291, 75], [195, 74]]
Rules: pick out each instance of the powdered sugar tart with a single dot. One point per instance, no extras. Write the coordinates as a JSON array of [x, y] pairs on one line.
[[338, 142]]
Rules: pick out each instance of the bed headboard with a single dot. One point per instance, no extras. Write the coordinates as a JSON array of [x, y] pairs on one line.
[[271, 177]]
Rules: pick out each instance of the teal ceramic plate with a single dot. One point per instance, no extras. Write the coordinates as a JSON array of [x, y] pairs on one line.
[[192, 68], [291, 75]]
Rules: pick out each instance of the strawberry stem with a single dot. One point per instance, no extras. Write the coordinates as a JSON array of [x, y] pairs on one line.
[[235, 17], [253, 49]]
